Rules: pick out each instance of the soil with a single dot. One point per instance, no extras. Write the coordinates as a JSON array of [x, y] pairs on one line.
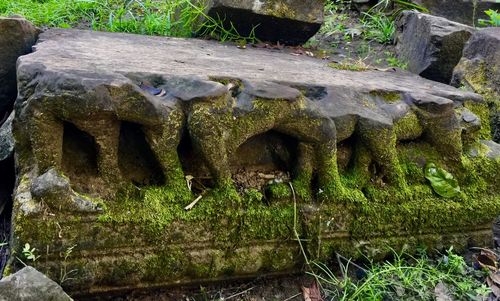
[[256, 179], [341, 41], [262, 289]]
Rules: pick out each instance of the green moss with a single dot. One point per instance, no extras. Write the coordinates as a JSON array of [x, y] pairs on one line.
[[280, 9], [482, 111], [282, 259], [253, 195], [388, 211], [356, 66], [479, 78], [408, 127], [7, 271], [266, 221], [278, 191], [476, 77], [302, 186], [439, 126], [218, 235], [169, 263], [387, 96]]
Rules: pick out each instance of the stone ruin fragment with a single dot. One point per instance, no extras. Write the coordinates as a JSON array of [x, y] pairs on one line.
[[116, 135]]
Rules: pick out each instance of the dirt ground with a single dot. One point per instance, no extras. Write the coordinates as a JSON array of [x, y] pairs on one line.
[[288, 288]]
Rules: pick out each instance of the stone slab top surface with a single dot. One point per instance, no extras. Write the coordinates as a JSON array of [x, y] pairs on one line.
[[114, 54]]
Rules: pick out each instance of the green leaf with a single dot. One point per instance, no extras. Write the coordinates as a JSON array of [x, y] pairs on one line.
[[441, 181]]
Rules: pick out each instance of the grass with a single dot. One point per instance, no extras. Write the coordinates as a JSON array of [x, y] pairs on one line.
[[393, 61], [175, 18], [405, 278], [494, 19], [397, 6], [378, 27], [169, 18]]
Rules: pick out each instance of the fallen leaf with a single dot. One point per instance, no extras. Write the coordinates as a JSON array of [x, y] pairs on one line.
[[441, 181], [496, 278], [495, 289], [488, 260], [312, 293]]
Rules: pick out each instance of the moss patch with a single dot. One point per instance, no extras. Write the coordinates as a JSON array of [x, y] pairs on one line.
[[228, 234], [349, 66], [482, 111]]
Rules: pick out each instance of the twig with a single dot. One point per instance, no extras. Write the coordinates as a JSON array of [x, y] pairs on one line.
[[483, 249], [290, 298], [193, 203], [340, 265], [240, 293], [189, 178], [339, 257], [297, 236]]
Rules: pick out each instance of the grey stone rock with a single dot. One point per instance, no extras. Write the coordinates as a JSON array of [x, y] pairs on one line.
[[470, 122], [431, 45], [6, 162], [50, 184], [493, 149], [269, 90], [470, 117], [461, 11], [432, 104], [287, 21], [29, 284], [16, 38], [6, 139], [396, 110], [96, 94], [55, 190], [479, 70], [192, 88], [363, 5]]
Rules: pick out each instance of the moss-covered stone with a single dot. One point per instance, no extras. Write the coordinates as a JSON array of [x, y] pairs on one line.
[[192, 133]]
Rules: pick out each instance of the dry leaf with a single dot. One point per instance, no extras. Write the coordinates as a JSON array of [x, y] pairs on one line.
[[312, 293], [487, 260], [496, 278], [495, 289]]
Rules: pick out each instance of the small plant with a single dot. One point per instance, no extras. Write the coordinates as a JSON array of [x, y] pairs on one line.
[[393, 61], [30, 253], [402, 5], [216, 29], [404, 278], [378, 27], [64, 274], [494, 19]]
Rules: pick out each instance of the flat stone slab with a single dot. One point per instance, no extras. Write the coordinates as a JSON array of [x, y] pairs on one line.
[[69, 50], [117, 135]]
